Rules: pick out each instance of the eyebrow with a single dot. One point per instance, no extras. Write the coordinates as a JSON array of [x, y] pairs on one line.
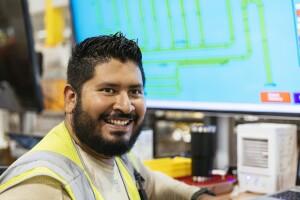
[[136, 86], [109, 84]]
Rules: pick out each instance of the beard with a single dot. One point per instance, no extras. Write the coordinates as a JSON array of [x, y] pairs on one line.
[[89, 132]]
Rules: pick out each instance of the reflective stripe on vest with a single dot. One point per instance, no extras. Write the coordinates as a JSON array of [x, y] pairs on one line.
[[56, 156], [132, 190], [50, 164]]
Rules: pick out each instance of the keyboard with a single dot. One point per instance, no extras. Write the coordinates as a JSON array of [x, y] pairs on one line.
[[287, 195]]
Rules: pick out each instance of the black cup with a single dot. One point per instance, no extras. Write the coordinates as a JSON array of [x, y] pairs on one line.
[[202, 151]]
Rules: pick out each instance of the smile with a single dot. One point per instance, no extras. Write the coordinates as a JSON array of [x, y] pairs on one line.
[[118, 122]]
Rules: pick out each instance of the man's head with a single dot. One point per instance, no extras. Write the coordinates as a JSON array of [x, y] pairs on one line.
[[104, 96]]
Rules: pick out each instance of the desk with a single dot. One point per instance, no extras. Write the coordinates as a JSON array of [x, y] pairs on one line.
[[221, 186], [241, 196]]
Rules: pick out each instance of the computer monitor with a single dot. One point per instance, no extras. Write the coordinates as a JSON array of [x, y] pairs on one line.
[[20, 72], [220, 56]]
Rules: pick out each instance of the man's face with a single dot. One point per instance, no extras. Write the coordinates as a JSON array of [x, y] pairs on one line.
[[108, 116]]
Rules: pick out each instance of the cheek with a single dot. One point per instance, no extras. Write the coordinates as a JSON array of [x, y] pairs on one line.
[[140, 109], [96, 106]]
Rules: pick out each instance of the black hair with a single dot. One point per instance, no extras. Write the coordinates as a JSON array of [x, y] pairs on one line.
[[97, 50]]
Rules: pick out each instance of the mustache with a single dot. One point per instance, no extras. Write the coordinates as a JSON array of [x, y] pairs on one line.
[[129, 116]]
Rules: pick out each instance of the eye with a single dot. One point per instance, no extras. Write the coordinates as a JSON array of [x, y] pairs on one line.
[[107, 90], [136, 92]]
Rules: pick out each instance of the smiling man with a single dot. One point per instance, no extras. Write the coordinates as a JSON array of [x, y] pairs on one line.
[[107, 117], [88, 155]]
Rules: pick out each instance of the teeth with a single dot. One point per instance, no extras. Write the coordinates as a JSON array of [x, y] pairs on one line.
[[118, 122]]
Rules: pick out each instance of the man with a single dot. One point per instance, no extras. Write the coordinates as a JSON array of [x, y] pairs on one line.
[[86, 156]]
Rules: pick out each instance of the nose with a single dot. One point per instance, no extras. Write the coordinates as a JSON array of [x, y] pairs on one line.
[[123, 103]]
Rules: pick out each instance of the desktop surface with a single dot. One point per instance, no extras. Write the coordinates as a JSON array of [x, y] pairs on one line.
[[240, 196]]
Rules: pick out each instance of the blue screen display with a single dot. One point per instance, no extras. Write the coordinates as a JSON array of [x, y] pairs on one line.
[[216, 55]]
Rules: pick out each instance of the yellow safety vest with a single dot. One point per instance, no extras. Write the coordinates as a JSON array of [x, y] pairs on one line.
[[56, 156]]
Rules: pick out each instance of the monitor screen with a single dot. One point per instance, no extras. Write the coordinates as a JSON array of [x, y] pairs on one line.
[[220, 56], [20, 88]]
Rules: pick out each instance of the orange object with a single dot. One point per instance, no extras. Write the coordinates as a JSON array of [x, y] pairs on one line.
[[54, 94], [279, 97]]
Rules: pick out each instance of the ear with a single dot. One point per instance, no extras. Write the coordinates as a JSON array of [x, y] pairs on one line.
[[70, 98]]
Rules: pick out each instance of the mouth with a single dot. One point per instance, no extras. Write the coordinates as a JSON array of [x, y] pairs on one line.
[[118, 122]]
